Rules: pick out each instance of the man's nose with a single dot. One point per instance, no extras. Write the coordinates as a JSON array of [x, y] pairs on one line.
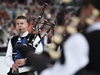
[[20, 25]]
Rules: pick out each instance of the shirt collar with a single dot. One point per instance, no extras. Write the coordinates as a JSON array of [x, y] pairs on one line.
[[25, 34], [95, 26]]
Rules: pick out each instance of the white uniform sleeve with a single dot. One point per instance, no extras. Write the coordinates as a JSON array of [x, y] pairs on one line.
[[76, 51], [8, 58], [39, 48]]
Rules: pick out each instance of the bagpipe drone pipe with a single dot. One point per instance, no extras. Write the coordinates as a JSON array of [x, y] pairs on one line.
[[36, 23]]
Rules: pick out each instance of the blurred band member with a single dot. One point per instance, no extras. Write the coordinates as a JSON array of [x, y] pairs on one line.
[[81, 51]]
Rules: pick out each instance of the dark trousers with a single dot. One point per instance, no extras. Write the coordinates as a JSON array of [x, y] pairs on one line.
[[25, 73]]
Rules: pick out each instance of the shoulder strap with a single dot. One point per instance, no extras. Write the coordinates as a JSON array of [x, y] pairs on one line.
[[13, 42]]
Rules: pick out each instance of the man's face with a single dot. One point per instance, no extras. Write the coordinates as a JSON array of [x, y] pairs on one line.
[[21, 24]]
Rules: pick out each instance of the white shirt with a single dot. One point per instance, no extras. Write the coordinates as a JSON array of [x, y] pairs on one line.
[[76, 51], [8, 59], [74, 57]]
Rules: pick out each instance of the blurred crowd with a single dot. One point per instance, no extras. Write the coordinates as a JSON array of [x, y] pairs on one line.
[[10, 9]]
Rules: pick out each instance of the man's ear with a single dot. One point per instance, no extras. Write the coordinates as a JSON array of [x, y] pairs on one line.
[[27, 25]]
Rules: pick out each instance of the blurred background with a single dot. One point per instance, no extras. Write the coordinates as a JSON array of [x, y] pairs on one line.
[[10, 9]]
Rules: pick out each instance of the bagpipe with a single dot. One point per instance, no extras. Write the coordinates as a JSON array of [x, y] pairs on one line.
[[24, 50]]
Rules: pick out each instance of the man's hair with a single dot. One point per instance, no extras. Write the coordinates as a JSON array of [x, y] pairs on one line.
[[95, 3], [22, 17]]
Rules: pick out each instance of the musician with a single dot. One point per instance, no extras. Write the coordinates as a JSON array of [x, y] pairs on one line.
[[82, 51], [22, 25]]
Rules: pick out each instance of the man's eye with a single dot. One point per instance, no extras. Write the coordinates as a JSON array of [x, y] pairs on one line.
[[21, 23]]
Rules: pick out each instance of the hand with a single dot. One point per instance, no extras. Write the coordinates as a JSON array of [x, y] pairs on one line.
[[14, 67], [20, 62]]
